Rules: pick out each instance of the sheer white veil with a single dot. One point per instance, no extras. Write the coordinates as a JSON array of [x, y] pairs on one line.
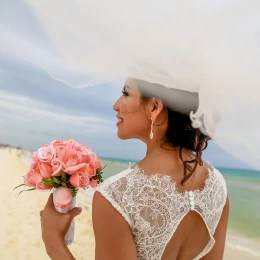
[[211, 48]]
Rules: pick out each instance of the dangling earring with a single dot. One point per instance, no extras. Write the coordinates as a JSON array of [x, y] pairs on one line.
[[151, 133]]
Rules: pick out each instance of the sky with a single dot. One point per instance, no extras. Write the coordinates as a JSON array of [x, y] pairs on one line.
[[36, 109]]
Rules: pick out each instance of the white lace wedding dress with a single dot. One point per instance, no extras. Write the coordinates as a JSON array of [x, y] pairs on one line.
[[153, 207]]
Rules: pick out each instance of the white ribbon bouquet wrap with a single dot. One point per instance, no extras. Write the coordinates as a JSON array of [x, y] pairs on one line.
[[69, 237]]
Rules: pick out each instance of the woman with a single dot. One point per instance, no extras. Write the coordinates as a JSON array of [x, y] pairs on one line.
[[171, 205]]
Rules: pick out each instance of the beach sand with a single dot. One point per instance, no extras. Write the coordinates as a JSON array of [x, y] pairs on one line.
[[20, 220]]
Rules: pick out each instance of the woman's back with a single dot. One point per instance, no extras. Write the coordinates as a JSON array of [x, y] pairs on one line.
[[166, 221], [172, 200]]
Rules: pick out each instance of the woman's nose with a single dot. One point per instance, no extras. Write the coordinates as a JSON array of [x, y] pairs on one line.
[[116, 105]]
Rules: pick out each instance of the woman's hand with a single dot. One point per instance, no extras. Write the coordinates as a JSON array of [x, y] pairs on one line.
[[55, 226]]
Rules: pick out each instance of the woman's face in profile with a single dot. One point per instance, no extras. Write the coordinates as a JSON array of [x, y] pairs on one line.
[[133, 120]]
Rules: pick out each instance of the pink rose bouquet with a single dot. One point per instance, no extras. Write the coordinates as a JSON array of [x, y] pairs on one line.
[[65, 166]]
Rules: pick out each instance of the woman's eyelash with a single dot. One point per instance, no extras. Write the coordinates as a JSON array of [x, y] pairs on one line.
[[124, 93]]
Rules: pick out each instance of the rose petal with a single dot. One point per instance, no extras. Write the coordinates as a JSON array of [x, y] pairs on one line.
[[91, 170], [72, 169], [45, 170], [62, 197], [40, 186], [74, 180], [57, 166], [31, 178], [46, 154], [57, 171]]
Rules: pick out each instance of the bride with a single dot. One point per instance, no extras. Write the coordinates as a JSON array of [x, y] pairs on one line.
[[170, 205]]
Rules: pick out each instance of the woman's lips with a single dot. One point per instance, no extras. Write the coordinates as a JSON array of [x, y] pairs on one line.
[[120, 120]]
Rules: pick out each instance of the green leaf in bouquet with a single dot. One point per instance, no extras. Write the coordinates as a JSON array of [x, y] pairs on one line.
[[27, 190], [47, 182], [99, 177], [100, 180], [70, 186], [19, 186], [73, 192], [100, 171], [55, 180], [63, 176], [56, 185]]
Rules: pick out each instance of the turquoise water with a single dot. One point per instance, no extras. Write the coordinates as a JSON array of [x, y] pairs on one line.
[[244, 193], [244, 196]]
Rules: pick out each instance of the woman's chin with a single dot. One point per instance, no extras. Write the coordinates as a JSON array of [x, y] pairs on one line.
[[121, 135]]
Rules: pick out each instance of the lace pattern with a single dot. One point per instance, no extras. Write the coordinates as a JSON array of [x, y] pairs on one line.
[[153, 207]]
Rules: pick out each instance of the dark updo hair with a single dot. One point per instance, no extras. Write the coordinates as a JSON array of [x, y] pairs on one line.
[[181, 134]]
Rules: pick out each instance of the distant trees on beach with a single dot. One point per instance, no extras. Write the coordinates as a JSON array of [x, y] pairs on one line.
[[18, 149]]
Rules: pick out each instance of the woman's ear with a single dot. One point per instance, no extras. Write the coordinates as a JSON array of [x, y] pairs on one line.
[[156, 108]]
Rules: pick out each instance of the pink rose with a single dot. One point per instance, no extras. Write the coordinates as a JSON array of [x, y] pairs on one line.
[[82, 148], [69, 143], [73, 161], [45, 170], [74, 180], [46, 153], [76, 146], [85, 149], [72, 144], [56, 143], [83, 181], [40, 186], [72, 158], [91, 170], [31, 177], [88, 169], [96, 162], [62, 198], [86, 158], [57, 166], [72, 169], [79, 180], [34, 161], [60, 151], [93, 183]]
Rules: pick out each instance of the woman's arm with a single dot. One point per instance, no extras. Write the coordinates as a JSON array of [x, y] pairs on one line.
[[113, 235], [59, 251], [216, 253]]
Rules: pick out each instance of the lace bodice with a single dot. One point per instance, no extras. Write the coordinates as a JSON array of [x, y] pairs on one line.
[[153, 206]]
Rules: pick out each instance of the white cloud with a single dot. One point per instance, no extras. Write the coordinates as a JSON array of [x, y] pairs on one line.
[[28, 119]]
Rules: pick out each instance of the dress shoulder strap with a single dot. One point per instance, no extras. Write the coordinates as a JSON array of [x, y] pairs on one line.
[[116, 190]]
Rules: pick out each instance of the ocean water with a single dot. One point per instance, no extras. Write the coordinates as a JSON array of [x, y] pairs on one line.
[[244, 196]]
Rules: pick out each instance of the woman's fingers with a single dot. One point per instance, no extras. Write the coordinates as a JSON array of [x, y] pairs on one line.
[[49, 203], [75, 212]]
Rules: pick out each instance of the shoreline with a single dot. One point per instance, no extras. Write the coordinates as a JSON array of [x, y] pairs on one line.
[[239, 242]]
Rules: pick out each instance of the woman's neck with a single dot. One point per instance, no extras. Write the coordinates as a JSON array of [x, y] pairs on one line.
[[163, 154]]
